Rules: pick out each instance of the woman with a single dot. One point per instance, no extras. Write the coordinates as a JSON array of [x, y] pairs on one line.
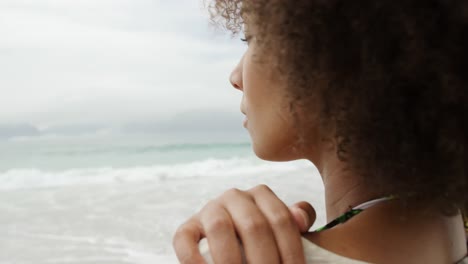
[[373, 93]]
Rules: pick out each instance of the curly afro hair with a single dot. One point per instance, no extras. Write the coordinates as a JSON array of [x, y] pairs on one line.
[[391, 78]]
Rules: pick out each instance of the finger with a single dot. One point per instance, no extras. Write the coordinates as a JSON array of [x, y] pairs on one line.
[[185, 242], [304, 215], [288, 238], [219, 229], [252, 227]]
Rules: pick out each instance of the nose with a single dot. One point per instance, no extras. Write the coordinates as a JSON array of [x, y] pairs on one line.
[[236, 76]]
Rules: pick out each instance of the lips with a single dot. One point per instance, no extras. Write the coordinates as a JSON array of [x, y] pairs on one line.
[[244, 112], [246, 119]]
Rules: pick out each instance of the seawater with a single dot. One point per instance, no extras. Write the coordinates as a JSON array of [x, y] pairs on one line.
[[120, 199], [91, 152]]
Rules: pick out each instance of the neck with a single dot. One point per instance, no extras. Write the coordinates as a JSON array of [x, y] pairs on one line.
[[343, 188]]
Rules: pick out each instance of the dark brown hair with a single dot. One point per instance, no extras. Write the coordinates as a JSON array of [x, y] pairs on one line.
[[391, 77]]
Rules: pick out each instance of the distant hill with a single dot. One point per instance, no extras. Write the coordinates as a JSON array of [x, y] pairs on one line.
[[18, 130], [203, 122], [194, 121]]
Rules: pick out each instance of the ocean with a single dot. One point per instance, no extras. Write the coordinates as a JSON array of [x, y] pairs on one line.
[[119, 199]]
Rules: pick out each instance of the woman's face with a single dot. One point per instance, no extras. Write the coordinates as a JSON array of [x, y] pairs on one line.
[[264, 102]]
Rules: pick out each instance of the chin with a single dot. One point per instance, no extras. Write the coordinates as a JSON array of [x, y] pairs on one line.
[[270, 153]]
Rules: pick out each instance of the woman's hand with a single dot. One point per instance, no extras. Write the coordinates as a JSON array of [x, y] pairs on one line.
[[268, 230]]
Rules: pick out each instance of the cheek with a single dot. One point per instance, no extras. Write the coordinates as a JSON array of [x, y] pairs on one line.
[[271, 127], [274, 138], [269, 121], [258, 95]]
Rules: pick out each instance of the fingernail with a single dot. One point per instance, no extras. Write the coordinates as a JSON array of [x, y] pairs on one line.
[[305, 219]]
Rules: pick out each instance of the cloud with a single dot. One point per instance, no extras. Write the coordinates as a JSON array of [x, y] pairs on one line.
[[70, 62]]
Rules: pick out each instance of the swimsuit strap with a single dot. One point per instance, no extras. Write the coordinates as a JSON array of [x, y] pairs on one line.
[[353, 212], [465, 224], [465, 221]]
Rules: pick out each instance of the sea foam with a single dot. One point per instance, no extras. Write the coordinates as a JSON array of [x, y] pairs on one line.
[[25, 178]]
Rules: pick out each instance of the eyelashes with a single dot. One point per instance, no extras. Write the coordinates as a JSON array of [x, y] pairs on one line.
[[246, 39]]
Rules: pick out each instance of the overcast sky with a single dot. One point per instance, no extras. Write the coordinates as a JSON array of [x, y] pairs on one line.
[[68, 62]]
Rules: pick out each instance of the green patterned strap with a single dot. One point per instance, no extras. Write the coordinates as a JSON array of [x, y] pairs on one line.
[[340, 220], [354, 211]]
